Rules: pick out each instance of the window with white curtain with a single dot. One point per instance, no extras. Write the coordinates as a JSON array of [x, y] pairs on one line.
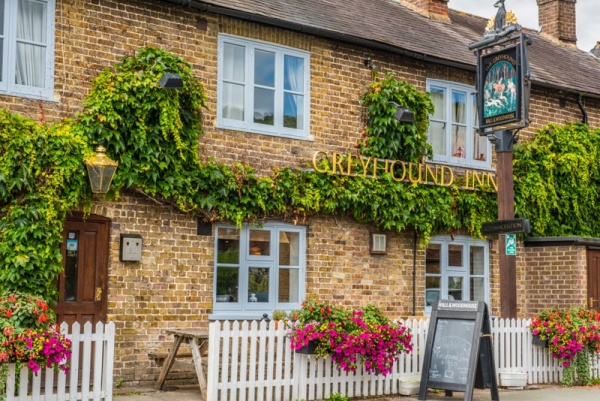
[[258, 270], [27, 47], [263, 88], [456, 268], [453, 124]]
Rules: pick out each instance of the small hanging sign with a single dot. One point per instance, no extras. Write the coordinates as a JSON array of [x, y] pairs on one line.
[[510, 242]]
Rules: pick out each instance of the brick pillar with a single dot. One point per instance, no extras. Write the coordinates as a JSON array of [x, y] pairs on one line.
[[557, 20]]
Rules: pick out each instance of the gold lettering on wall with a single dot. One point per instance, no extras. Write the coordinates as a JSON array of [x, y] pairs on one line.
[[417, 173]]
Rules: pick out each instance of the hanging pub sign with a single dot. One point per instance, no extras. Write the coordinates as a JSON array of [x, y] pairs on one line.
[[501, 82]]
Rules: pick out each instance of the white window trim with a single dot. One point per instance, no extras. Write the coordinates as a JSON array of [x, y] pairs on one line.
[[464, 271], [471, 131], [248, 124], [7, 86], [243, 309]]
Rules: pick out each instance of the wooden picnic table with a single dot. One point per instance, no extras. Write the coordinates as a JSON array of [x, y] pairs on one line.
[[198, 342]]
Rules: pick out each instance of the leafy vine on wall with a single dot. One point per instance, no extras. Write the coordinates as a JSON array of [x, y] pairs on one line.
[[557, 181], [153, 134]]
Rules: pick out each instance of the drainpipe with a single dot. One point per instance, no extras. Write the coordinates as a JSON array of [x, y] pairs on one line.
[[414, 284], [581, 107]]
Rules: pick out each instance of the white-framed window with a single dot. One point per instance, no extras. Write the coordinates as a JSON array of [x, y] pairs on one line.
[[263, 88], [258, 270], [456, 268], [452, 126], [27, 48]]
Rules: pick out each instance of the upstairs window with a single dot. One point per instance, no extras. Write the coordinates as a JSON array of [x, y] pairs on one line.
[[453, 124], [27, 48], [263, 88]]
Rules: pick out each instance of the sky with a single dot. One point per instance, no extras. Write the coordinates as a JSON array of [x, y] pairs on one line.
[[587, 16]]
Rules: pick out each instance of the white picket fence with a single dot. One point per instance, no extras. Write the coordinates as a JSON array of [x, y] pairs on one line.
[[91, 370], [252, 361]]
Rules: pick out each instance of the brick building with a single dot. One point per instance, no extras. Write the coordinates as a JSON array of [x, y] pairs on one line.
[[326, 48]]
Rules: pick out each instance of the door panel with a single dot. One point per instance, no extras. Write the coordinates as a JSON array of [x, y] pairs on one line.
[[593, 279], [82, 285]]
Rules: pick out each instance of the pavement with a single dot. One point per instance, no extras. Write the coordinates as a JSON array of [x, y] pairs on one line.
[[530, 393]]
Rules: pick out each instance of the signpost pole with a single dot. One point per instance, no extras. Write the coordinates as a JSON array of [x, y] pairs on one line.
[[506, 211]]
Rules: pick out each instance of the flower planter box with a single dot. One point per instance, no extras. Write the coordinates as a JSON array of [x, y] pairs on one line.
[[409, 385], [513, 379]]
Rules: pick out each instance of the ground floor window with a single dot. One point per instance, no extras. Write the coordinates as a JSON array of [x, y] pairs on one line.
[[258, 270], [456, 268]]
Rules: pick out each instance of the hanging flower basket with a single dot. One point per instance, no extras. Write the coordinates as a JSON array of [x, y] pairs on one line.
[[309, 349], [538, 342]]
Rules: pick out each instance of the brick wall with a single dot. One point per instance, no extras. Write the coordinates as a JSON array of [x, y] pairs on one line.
[[555, 277]]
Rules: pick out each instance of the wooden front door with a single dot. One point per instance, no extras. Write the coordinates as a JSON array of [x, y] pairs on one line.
[[83, 282], [593, 279]]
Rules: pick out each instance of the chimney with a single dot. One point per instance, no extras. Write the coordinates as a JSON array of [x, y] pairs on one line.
[[557, 21], [434, 9], [596, 50]]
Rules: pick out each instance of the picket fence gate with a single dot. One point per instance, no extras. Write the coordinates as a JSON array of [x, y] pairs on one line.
[[250, 361], [91, 370]]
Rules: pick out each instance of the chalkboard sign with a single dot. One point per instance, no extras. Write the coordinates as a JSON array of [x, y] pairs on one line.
[[458, 353], [451, 349]]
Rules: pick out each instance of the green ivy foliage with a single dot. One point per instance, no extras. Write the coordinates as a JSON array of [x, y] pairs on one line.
[[42, 177], [388, 138], [557, 181], [151, 131]]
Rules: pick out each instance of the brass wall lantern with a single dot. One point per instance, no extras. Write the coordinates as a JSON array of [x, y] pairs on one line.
[[101, 170]]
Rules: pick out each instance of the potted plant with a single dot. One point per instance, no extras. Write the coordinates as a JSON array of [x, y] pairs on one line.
[[279, 315], [350, 337], [572, 335]]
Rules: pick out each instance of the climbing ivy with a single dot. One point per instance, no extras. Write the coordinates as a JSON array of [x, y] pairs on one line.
[[386, 137], [152, 132], [557, 179], [42, 177]]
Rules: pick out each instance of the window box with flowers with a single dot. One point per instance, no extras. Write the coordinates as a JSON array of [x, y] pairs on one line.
[[350, 338], [29, 336], [572, 336]]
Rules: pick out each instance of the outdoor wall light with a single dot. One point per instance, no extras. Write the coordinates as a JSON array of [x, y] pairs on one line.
[[101, 170], [170, 81], [369, 63], [403, 114]]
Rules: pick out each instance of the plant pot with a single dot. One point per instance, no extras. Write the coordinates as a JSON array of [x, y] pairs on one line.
[[409, 385], [513, 379], [538, 342], [309, 349]]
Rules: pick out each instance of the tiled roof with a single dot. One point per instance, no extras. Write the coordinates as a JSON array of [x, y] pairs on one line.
[[388, 25]]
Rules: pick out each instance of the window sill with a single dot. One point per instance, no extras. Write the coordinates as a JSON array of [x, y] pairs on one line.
[[308, 137]]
